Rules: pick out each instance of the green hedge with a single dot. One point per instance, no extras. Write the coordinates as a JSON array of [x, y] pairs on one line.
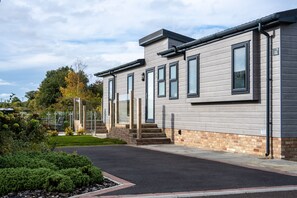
[[79, 179], [24, 160], [19, 179], [58, 183], [93, 172], [52, 171], [63, 160], [51, 160]]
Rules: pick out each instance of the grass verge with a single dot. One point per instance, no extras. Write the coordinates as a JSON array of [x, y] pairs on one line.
[[84, 140]]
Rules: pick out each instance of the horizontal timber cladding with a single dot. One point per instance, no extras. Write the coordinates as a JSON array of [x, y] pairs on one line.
[[289, 80], [216, 109]]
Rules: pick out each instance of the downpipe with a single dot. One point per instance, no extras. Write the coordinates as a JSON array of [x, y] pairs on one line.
[[268, 79]]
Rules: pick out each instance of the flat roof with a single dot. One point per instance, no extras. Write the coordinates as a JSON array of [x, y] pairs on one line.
[[161, 34]]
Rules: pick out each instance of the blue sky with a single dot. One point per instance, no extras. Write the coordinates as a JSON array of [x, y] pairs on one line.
[[37, 36]]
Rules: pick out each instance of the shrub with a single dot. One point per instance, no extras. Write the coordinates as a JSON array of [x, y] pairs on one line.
[[66, 124], [78, 178], [53, 133], [63, 160], [93, 172], [81, 131], [68, 131], [21, 132], [5, 142], [24, 160], [19, 179], [58, 183]]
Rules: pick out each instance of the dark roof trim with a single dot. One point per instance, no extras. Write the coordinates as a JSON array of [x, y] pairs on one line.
[[161, 34], [289, 16], [130, 65]]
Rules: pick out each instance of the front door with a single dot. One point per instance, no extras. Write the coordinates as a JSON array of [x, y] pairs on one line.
[[150, 96]]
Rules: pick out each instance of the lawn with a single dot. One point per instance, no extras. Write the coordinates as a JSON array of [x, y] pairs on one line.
[[84, 140]]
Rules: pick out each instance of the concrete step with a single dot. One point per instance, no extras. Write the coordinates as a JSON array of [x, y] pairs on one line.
[[151, 130], [97, 127], [102, 131], [144, 125], [150, 135], [149, 125], [147, 130], [147, 141], [97, 124]]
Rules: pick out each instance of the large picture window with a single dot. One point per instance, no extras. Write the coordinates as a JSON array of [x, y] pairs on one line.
[[173, 80], [193, 76], [162, 81], [240, 68]]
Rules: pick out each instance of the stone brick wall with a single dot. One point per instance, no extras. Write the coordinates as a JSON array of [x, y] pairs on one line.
[[121, 133], [256, 145], [289, 148]]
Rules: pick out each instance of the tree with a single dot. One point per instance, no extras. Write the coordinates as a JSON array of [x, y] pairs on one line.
[[76, 86], [30, 95], [49, 90], [97, 88]]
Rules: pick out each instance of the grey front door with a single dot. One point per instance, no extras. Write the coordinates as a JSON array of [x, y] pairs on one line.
[[150, 96]]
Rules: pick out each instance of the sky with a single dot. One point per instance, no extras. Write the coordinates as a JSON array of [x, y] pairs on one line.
[[37, 36]]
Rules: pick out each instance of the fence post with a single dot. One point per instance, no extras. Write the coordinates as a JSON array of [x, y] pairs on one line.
[[84, 117], [95, 124], [102, 110], [116, 114], [139, 130], [48, 119], [111, 114], [70, 120], [90, 113], [74, 108], [80, 111], [131, 109], [55, 120]]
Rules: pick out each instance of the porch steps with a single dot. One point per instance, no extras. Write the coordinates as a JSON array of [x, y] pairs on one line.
[[151, 134], [100, 127]]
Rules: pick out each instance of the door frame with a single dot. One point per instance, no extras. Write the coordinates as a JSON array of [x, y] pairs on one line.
[[146, 95]]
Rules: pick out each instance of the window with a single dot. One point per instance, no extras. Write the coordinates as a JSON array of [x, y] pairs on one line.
[[173, 80], [193, 76], [110, 93], [161, 81], [240, 68], [130, 83], [130, 87]]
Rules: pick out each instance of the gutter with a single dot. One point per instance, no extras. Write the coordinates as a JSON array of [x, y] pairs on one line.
[[289, 16], [268, 81], [130, 65]]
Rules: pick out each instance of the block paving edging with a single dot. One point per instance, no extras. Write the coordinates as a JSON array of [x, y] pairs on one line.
[[121, 185], [209, 192]]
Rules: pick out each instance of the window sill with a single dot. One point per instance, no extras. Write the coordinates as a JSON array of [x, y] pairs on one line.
[[222, 98]]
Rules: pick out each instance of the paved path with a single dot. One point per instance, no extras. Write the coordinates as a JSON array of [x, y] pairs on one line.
[[161, 172], [275, 165]]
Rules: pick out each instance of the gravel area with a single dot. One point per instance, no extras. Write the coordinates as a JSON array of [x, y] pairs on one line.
[[43, 194]]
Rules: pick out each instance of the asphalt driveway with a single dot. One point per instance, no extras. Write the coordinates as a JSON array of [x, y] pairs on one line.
[[158, 172]]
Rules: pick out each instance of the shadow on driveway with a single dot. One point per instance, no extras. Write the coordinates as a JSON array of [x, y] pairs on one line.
[[158, 172]]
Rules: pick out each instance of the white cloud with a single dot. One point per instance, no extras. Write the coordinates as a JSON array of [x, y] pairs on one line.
[[3, 82], [44, 35], [4, 96]]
